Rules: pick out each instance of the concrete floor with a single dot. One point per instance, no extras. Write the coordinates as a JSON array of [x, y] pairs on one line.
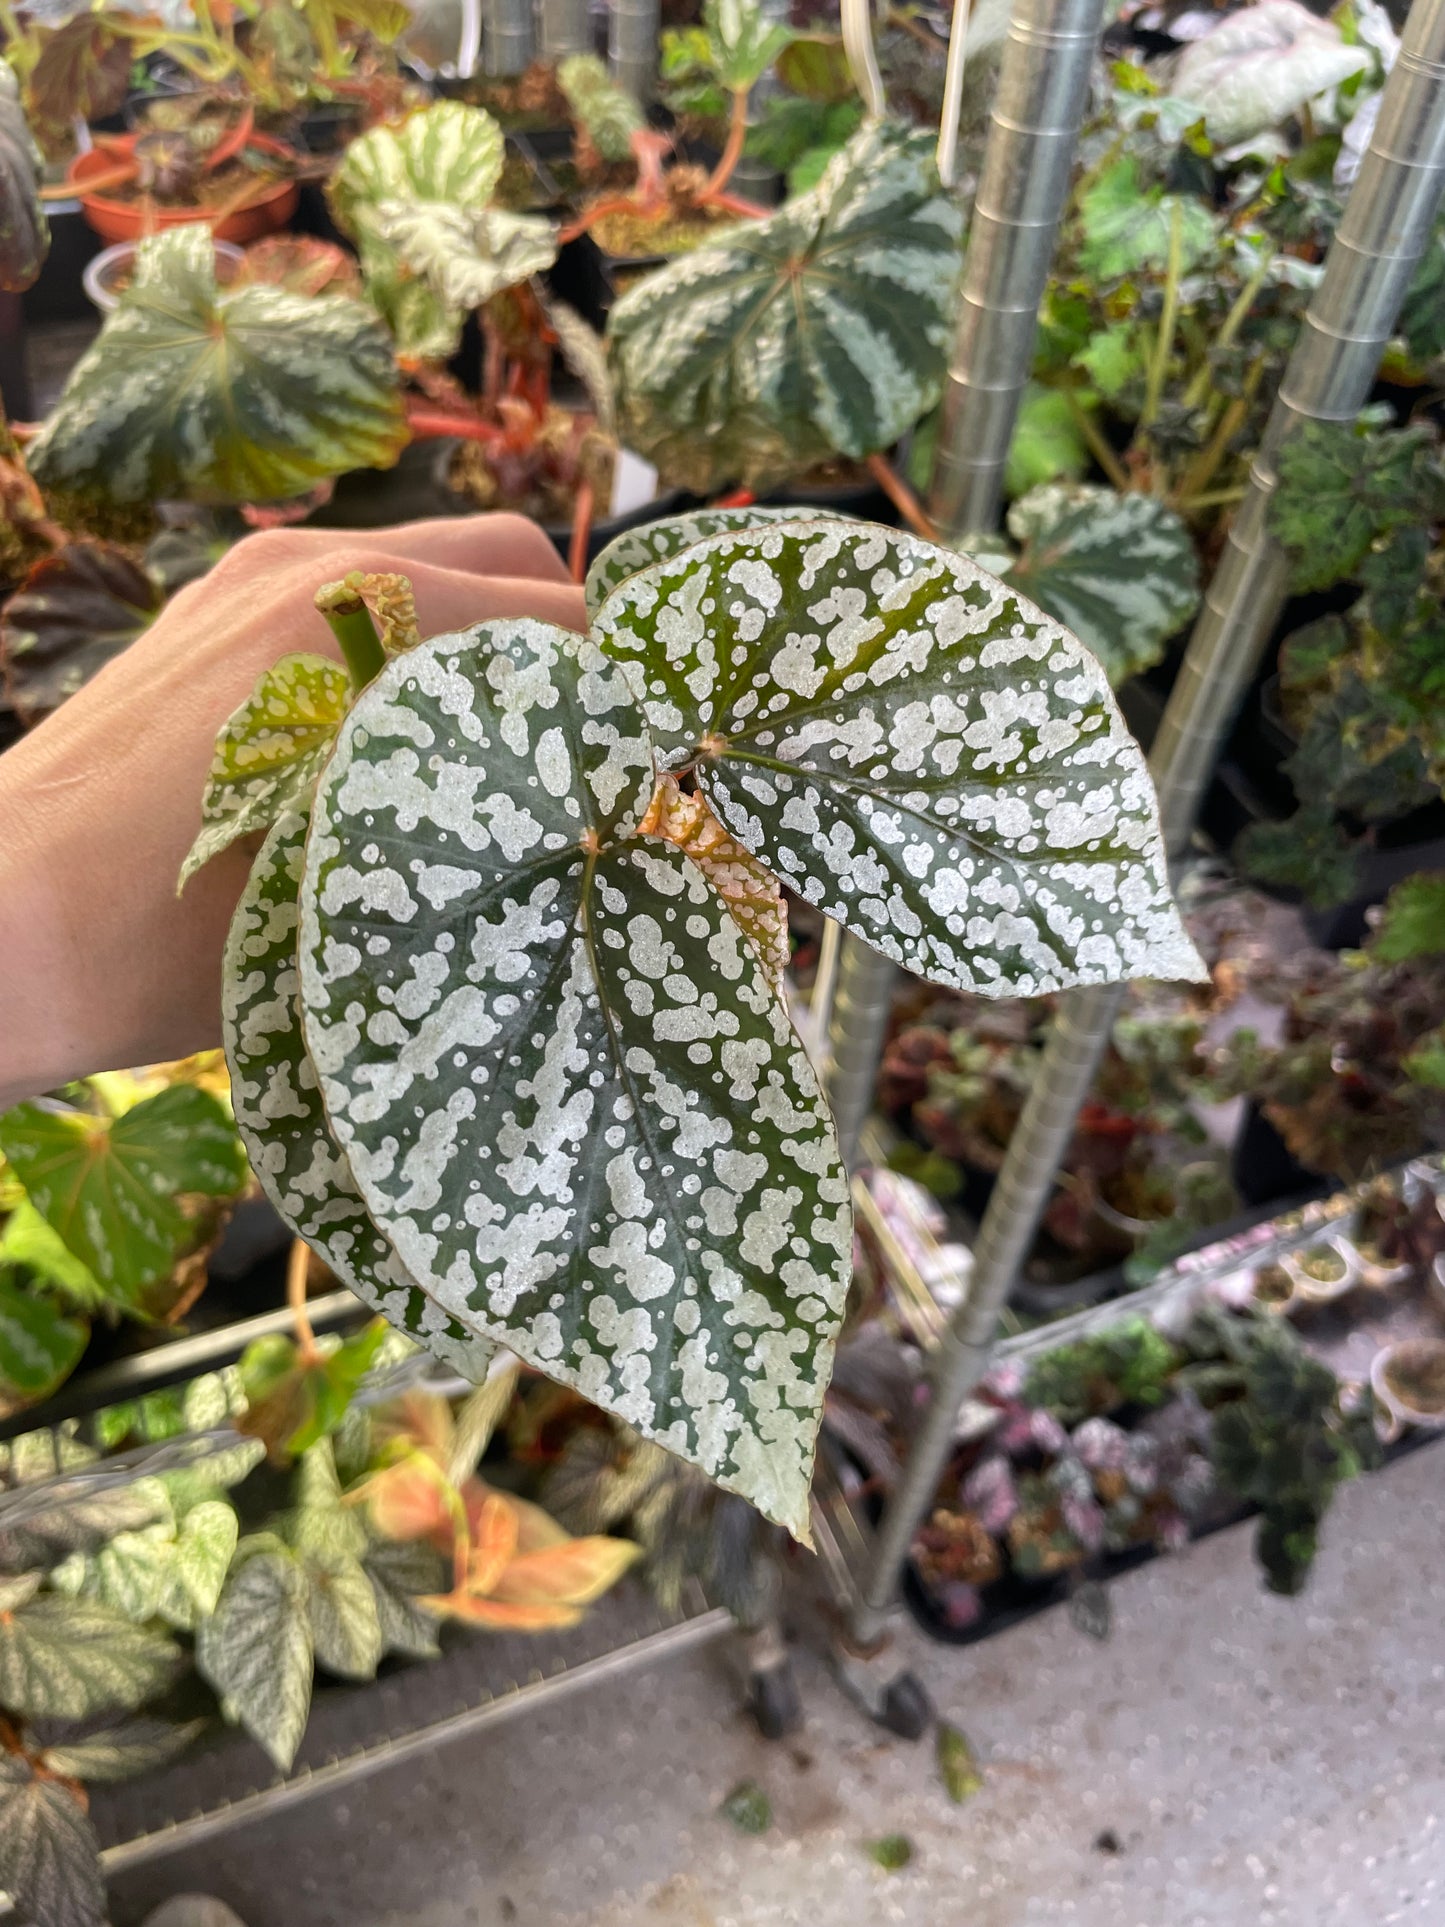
[[1227, 1759]]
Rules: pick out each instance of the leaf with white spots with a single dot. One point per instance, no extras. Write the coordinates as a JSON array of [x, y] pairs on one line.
[[279, 1115], [637, 549], [820, 331], [1120, 571], [270, 752], [567, 1092], [912, 748]]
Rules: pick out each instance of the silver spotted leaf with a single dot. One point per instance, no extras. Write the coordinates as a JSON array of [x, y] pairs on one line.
[[246, 394], [1120, 571], [401, 1576], [567, 1093], [279, 1115], [67, 1659], [119, 1752], [912, 748], [466, 257], [820, 331], [270, 752], [637, 549], [49, 1855], [346, 1630], [255, 1650]]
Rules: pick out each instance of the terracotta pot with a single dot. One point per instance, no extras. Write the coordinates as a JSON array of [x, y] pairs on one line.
[[127, 221]]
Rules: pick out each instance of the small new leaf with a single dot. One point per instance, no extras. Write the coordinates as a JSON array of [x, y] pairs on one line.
[[291, 1400], [958, 1769]]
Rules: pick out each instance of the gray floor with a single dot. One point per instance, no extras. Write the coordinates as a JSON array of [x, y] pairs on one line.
[[1227, 1760]]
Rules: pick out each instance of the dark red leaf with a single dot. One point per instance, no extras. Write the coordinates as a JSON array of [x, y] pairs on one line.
[[74, 611]]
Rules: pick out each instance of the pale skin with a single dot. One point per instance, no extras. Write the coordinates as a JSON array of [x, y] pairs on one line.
[[101, 965]]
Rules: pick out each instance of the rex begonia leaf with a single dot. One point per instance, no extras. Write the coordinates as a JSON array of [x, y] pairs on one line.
[[1120, 571], [70, 615], [110, 1186], [24, 230], [911, 747], [466, 257], [1256, 68], [279, 1115], [246, 394], [569, 1097], [49, 1855], [820, 331]]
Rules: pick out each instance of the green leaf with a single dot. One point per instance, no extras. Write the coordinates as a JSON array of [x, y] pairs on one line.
[[67, 1659], [446, 155], [269, 754], [637, 549], [1113, 359], [911, 749], [28, 1241], [958, 1768], [1125, 227], [73, 612], [748, 1807], [466, 258], [618, 1158], [24, 230], [256, 1651], [345, 1620], [608, 112], [242, 395], [893, 1852], [200, 1559], [128, 1575], [109, 1186], [402, 1575], [742, 42], [279, 1115], [1422, 317], [291, 1403], [321, 1526], [816, 67], [1342, 486], [49, 1855], [40, 1346], [1047, 445], [820, 331], [1413, 922], [1120, 571], [120, 1752]]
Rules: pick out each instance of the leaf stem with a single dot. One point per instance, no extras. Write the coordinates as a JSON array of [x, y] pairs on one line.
[[297, 1267], [732, 153], [901, 496], [1238, 314], [1097, 444], [350, 622], [1164, 340], [581, 528]]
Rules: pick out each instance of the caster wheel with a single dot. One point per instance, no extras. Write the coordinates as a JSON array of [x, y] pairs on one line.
[[775, 1703], [907, 1709]]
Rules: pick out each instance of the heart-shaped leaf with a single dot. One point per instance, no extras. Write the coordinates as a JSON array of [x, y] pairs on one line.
[[279, 1115], [637, 549], [49, 1855], [120, 1752], [345, 1621], [67, 1659], [24, 230], [569, 1098], [74, 611], [269, 754], [247, 394], [1256, 68], [400, 1575], [1120, 571], [29, 1243], [464, 257], [1126, 227], [128, 1575], [40, 1346], [255, 1651], [820, 331], [200, 1559], [109, 1186], [606, 111], [912, 748]]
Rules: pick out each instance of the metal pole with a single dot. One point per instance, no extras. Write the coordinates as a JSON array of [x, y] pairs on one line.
[[632, 45], [1043, 87], [857, 1025], [953, 75], [1384, 231], [565, 29], [509, 37]]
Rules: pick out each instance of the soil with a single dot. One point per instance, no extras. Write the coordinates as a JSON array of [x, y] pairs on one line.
[[219, 190], [1416, 1375], [1273, 1285]]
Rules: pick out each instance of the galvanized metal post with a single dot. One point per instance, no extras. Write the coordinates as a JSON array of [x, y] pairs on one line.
[[1043, 88], [632, 45], [1382, 235], [566, 28], [509, 39]]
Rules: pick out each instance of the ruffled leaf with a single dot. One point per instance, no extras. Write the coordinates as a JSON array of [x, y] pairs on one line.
[[466, 258]]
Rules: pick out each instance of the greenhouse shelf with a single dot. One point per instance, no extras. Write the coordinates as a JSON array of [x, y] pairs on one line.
[[354, 1731]]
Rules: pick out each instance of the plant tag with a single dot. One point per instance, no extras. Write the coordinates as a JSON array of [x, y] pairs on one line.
[[634, 483]]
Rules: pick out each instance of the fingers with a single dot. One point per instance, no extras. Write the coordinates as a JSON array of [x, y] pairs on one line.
[[499, 544]]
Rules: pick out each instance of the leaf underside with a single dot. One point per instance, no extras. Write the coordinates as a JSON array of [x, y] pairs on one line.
[[279, 1115], [568, 1096], [912, 748]]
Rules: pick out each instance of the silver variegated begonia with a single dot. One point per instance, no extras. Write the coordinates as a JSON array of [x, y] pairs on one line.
[[911, 747], [634, 550], [568, 1094], [279, 1115]]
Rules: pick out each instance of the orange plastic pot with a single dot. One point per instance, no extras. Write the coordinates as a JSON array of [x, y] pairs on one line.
[[127, 221]]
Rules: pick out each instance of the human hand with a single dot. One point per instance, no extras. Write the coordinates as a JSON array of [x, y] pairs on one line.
[[101, 965]]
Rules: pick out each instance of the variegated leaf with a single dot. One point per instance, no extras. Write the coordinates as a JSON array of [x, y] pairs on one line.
[[128, 1575], [567, 1093], [912, 748], [49, 1855], [608, 113], [247, 394], [637, 549], [345, 1620], [400, 1575], [109, 1186], [120, 1752], [24, 230], [269, 754], [1120, 571], [583, 351], [200, 1559], [820, 331], [67, 1659], [279, 1115], [321, 1526], [255, 1651], [40, 1345], [466, 258]]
